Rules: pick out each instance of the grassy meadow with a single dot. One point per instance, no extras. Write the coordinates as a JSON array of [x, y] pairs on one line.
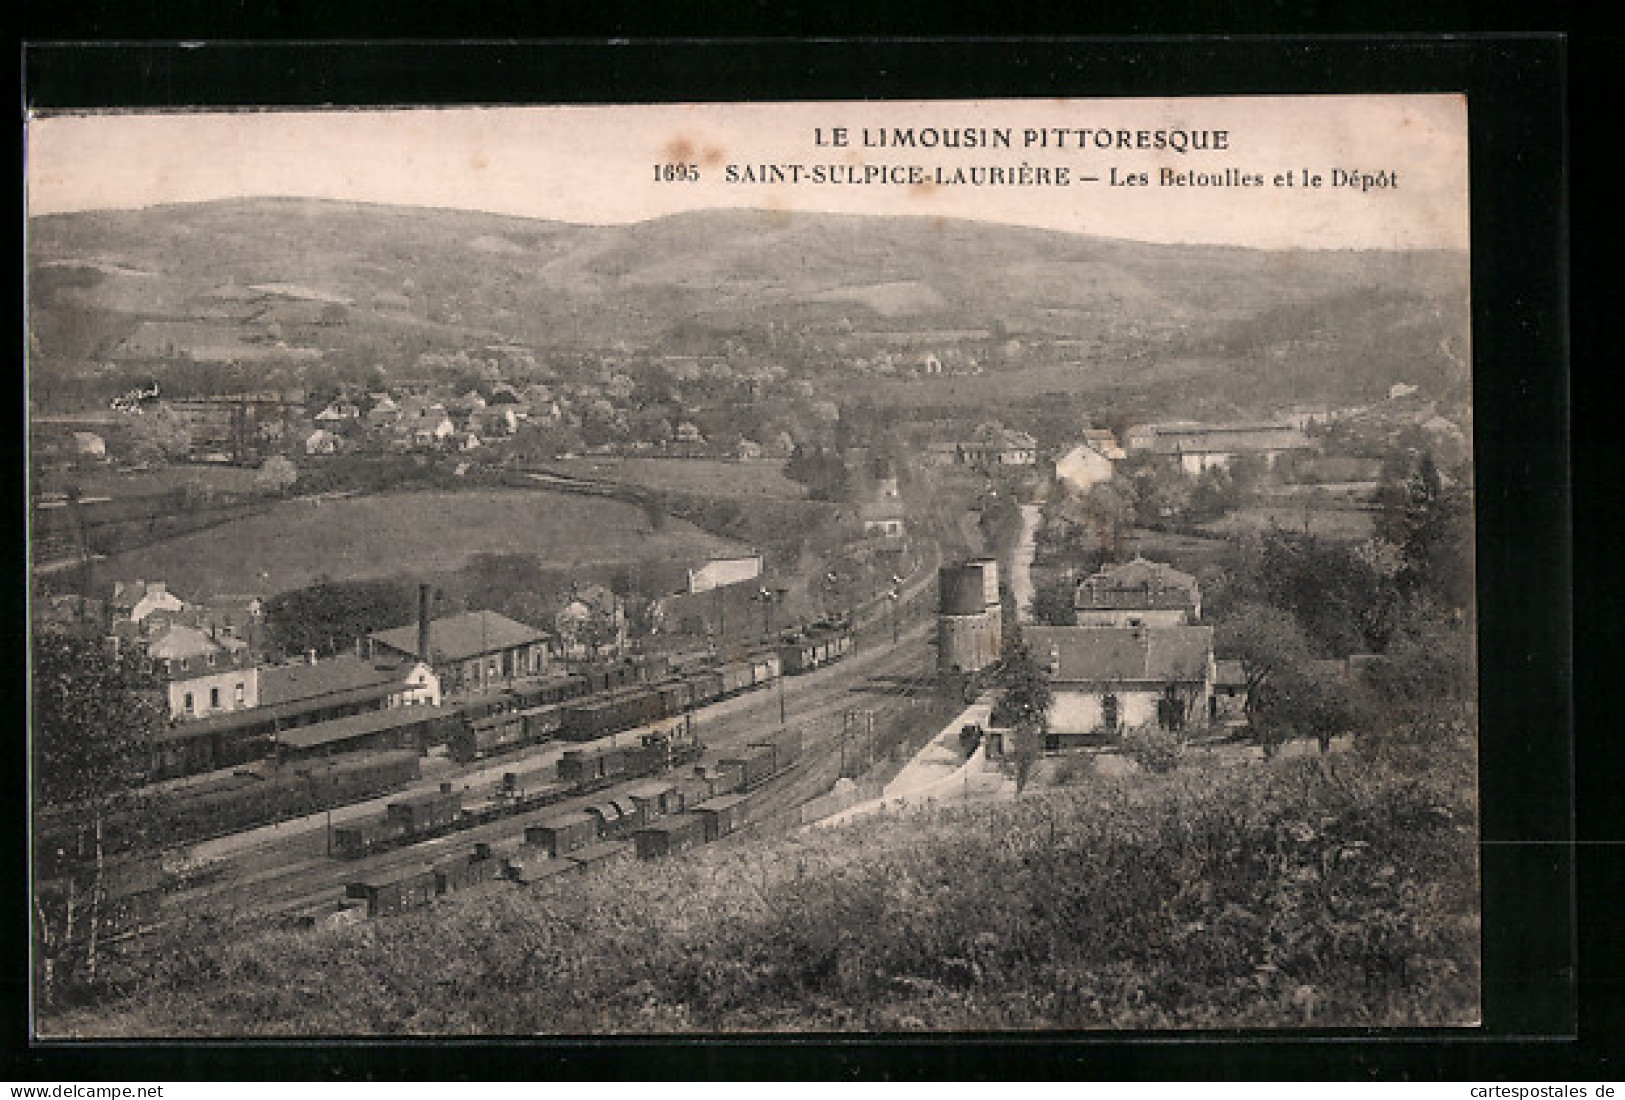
[[1335, 892], [431, 532]]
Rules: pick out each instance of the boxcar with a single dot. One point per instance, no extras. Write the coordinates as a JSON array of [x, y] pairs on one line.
[[395, 894], [591, 719], [755, 765], [561, 835], [358, 838], [692, 790], [669, 836], [580, 766], [723, 815], [463, 871], [548, 690], [735, 677], [427, 811], [786, 746], [654, 797]]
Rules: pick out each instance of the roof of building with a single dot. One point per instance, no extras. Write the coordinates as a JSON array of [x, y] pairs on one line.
[[349, 728], [1229, 674], [1136, 585], [178, 642], [1228, 439], [1097, 655], [345, 674], [459, 637]]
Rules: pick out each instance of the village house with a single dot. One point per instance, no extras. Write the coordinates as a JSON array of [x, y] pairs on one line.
[[1107, 680], [591, 623], [1084, 466], [337, 412], [469, 650], [134, 601], [1199, 447], [992, 445], [1138, 593], [202, 674], [322, 442]]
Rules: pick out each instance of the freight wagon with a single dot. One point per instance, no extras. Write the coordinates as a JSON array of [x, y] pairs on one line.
[[426, 812], [395, 893], [562, 835], [669, 836], [786, 746], [590, 719], [705, 686], [548, 690], [723, 815], [221, 805], [654, 797], [496, 734], [755, 765], [463, 871]]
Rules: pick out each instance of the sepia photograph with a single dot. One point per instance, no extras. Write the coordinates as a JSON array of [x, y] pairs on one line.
[[706, 569]]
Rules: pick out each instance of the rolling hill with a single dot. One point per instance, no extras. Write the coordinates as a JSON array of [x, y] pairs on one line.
[[385, 282]]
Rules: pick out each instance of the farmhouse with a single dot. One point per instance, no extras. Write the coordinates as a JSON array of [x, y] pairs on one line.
[[1084, 466], [135, 600], [993, 445], [1139, 593], [321, 442], [1109, 679], [469, 650], [1203, 447]]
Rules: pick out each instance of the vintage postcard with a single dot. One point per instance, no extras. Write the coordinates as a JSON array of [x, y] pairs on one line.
[[704, 569]]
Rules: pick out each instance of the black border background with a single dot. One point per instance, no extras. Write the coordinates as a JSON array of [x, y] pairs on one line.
[[1516, 87]]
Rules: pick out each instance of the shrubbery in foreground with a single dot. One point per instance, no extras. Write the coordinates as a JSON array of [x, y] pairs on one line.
[[1324, 892]]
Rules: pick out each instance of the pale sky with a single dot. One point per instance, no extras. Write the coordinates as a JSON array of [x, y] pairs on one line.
[[597, 164]]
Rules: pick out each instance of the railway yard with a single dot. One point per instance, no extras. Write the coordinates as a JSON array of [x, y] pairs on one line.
[[293, 871]]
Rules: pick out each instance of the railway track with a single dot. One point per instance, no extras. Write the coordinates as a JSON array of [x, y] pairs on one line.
[[277, 875]]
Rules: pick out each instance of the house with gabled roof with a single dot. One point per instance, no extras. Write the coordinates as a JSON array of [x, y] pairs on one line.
[[471, 649], [1137, 593], [1107, 680]]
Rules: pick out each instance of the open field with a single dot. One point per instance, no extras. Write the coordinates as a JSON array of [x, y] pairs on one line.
[[1340, 524], [156, 481], [750, 480], [299, 541]]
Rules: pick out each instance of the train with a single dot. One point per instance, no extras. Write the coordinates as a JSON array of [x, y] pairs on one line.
[[654, 750], [334, 763], [158, 820], [587, 706], [651, 819]]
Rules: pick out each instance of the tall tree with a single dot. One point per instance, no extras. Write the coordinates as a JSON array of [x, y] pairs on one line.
[[95, 714]]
